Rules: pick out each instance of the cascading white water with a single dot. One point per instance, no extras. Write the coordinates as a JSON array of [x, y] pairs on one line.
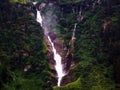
[[57, 57], [39, 18], [58, 66]]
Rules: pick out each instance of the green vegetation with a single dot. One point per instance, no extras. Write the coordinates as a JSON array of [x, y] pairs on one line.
[[96, 48], [23, 56], [20, 1], [71, 86]]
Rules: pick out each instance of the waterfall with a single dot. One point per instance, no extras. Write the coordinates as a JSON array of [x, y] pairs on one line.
[[39, 17], [58, 65], [58, 59]]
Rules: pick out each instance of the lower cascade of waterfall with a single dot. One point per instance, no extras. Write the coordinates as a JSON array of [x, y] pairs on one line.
[[58, 59], [58, 65]]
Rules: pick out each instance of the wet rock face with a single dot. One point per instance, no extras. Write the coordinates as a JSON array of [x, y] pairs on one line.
[[50, 53], [52, 36]]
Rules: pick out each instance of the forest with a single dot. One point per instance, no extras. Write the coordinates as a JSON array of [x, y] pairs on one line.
[[95, 50]]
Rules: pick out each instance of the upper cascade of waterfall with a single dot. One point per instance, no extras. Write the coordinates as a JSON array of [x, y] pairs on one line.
[[39, 17], [48, 15]]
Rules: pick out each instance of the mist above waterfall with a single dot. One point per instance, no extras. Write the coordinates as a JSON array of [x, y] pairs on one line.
[[49, 12]]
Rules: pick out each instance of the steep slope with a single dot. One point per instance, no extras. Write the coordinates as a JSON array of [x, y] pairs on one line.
[[23, 56], [96, 48]]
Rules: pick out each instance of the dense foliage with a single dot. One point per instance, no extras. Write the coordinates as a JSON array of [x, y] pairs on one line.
[[96, 48], [20, 1], [23, 56]]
